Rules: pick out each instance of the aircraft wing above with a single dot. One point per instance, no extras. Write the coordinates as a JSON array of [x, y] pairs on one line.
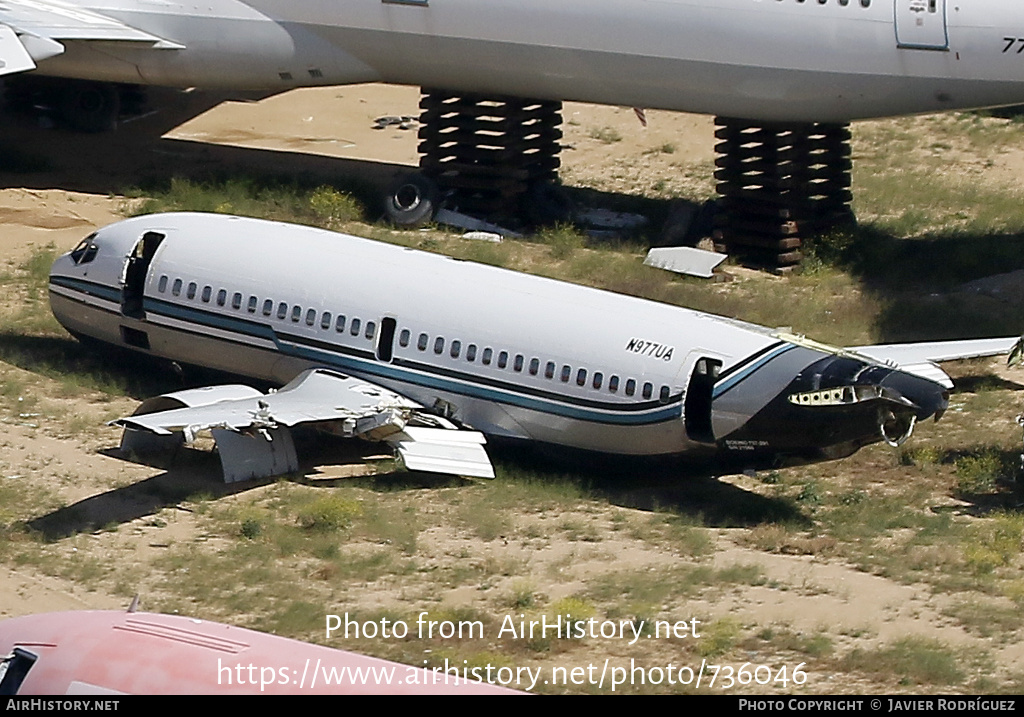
[[246, 424], [920, 358], [32, 30]]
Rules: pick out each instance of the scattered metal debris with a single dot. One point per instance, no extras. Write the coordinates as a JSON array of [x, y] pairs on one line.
[[403, 122], [471, 224], [483, 236], [685, 260]]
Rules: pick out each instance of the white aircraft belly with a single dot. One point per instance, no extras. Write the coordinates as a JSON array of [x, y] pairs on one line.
[[770, 60]]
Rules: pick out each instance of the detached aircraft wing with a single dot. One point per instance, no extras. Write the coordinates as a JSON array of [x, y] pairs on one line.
[[921, 358], [33, 30], [251, 428]]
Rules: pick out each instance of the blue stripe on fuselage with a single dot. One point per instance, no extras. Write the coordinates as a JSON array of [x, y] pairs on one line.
[[623, 415], [733, 380]]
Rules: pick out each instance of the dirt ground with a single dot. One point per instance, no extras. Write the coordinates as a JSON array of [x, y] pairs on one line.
[[321, 132]]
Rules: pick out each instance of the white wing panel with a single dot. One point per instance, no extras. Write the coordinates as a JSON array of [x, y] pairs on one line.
[[919, 358], [13, 55], [349, 407], [937, 350], [63, 21], [317, 395]]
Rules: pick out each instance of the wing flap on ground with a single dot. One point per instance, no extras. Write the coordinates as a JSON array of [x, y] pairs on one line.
[[438, 450]]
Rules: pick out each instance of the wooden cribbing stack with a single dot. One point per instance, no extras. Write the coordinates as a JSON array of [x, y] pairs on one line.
[[779, 184], [488, 151]]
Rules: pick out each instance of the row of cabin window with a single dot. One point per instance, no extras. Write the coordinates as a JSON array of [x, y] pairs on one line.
[[565, 374], [282, 312], [422, 342]]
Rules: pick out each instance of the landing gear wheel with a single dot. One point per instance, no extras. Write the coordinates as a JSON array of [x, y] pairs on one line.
[[89, 106], [412, 201], [547, 204]]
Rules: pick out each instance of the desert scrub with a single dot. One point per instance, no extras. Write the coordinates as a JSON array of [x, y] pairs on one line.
[[334, 208], [328, 513], [979, 472]]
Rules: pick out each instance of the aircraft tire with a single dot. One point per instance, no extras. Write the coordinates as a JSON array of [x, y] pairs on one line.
[[89, 106], [412, 201]]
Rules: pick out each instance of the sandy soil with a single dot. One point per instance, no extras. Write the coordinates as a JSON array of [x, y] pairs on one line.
[[328, 131]]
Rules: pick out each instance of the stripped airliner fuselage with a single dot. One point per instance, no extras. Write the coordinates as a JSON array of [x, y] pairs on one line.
[[508, 354]]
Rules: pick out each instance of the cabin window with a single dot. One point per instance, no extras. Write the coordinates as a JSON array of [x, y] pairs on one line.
[[648, 389], [162, 286], [251, 306], [865, 3], [665, 394], [190, 293], [296, 313], [282, 311], [534, 366], [403, 338], [549, 369], [325, 321], [176, 287], [339, 323], [517, 364], [598, 379], [421, 342], [207, 293], [485, 357], [630, 386], [310, 317], [222, 297], [353, 327], [371, 329], [581, 377], [456, 348], [566, 373], [613, 384], [471, 352], [236, 300], [844, 3], [439, 345], [268, 307], [503, 359]]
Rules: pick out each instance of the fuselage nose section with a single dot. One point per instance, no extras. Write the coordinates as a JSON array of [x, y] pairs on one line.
[[832, 407]]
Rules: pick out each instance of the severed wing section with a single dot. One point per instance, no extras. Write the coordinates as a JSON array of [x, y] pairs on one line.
[[33, 30], [251, 428], [920, 358]]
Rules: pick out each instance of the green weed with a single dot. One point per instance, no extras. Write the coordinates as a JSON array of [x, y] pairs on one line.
[[329, 513], [911, 660]]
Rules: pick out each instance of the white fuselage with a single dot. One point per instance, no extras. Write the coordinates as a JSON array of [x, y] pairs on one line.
[[508, 354], [819, 60]]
